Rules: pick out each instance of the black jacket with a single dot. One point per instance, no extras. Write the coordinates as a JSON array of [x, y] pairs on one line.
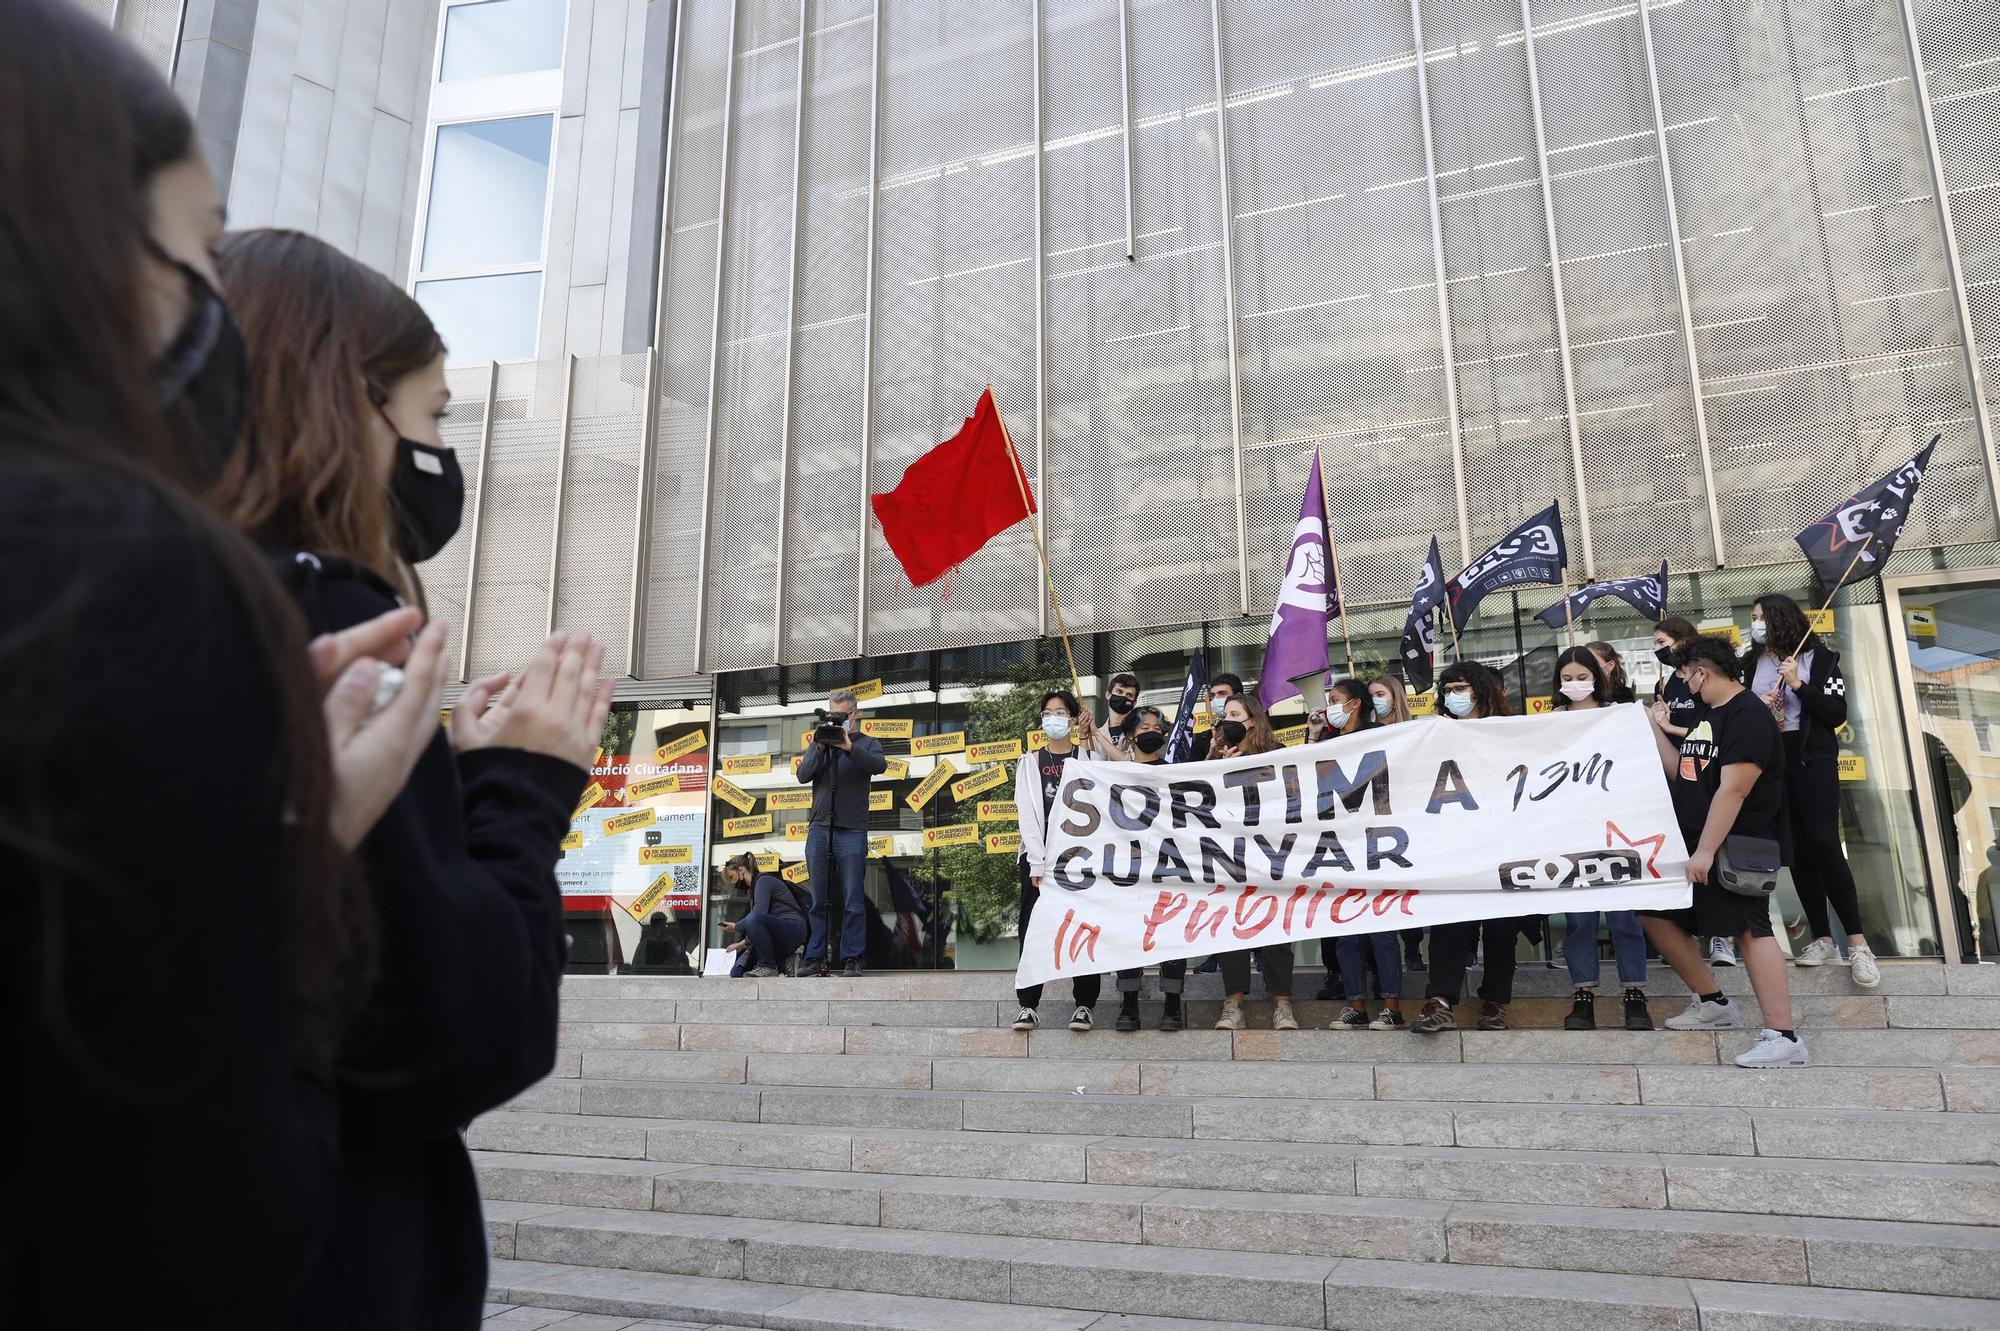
[[1822, 702], [840, 781], [463, 1014], [774, 896]]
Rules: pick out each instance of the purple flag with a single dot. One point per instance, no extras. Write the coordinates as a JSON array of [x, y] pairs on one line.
[[1307, 601]]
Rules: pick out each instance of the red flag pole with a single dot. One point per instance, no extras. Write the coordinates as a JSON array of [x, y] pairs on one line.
[[1034, 529]]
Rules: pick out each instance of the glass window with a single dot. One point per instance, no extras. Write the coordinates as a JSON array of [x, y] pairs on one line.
[[501, 37], [485, 318], [489, 183]]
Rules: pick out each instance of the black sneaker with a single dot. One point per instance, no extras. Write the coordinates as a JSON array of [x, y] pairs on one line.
[[1637, 1018], [1351, 1018], [812, 970], [1436, 1016], [1171, 1019], [1081, 1020], [1582, 1012], [852, 970], [1026, 1020], [1493, 1017], [1128, 1013], [1328, 992]]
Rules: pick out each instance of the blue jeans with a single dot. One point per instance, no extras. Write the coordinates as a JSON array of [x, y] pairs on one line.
[[772, 939], [1628, 944], [842, 851], [1354, 962]]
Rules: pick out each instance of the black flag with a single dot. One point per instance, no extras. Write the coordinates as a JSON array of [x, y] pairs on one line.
[[1531, 554], [1850, 544], [1180, 740], [1420, 629], [1647, 595]]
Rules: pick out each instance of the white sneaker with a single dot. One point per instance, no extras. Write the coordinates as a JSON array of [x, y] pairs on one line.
[[1026, 1019], [1282, 1018], [1232, 1017], [1816, 953], [1081, 1020], [1774, 1051], [1861, 962], [1721, 952], [1702, 1016]]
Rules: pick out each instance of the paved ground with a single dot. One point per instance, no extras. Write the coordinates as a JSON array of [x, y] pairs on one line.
[[532, 1319]]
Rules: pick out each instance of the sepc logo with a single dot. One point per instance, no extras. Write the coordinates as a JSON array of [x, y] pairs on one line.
[[1582, 868]]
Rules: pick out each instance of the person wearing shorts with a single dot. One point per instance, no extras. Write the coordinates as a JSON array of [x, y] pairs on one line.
[[1727, 775]]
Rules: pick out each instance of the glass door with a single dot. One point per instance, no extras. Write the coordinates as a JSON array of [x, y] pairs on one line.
[[1949, 672]]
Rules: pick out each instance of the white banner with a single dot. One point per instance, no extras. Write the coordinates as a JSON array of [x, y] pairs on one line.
[[1422, 823]]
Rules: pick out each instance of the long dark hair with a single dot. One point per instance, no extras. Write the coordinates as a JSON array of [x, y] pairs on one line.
[[85, 125], [1489, 687], [1355, 691], [1787, 631], [329, 338], [1617, 683], [1600, 687]]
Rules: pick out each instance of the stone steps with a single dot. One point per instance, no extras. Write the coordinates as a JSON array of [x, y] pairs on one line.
[[1083, 1277], [1633, 1179], [1940, 1259]]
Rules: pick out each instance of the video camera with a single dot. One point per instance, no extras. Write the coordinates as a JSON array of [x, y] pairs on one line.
[[829, 729]]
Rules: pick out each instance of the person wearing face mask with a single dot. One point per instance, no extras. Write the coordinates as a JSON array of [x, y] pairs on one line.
[[1245, 730], [1727, 780], [1581, 686], [1350, 710], [1149, 743], [222, 890], [1618, 687], [1469, 690], [341, 475], [1038, 778], [1220, 690], [772, 929], [1675, 712], [1391, 702], [1112, 741], [1798, 677], [839, 765]]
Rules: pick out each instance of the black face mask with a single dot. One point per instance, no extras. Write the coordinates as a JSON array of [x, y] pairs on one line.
[[1149, 741], [1662, 655], [1119, 703], [428, 491], [1232, 732], [202, 378]]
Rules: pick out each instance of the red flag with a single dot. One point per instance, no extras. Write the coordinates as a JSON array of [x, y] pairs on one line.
[[955, 498]]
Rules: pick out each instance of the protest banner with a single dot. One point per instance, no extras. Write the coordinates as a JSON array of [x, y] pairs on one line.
[[1418, 824]]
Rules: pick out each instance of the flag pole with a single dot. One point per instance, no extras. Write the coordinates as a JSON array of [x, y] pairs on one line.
[[1862, 550], [1333, 556], [1034, 529]]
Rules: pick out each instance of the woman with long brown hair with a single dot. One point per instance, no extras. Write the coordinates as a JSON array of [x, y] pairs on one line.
[[342, 475], [1243, 730], [181, 956]]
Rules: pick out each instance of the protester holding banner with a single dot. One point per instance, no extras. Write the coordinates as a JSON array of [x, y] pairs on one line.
[[1149, 742], [1038, 777], [1242, 731], [1581, 685], [1798, 677], [1729, 798], [1613, 665], [1470, 691]]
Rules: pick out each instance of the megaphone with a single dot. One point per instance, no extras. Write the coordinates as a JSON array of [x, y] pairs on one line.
[[1312, 687]]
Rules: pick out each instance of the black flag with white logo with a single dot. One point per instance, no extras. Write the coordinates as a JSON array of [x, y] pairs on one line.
[[1530, 555], [1420, 629], [1647, 595], [1850, 544]]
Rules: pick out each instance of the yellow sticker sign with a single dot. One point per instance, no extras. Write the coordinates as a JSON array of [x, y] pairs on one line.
[[1541, 706], [932, 784], [1722, 629], [1853, 767], [760, 825], [950, 742], [681, 747], [788, 799], [867, 690], [643, 905], [881, 847], [954, 834], [744, 764], [1920, 621], [574, 841], [1203, 722], [767, 862], [796, 873], [630, 822], [1820, 621], [659, 785], [1003, 843], [997, 811], [1423, 704], [889, 728], [592, 797], [1291, 735], [666, 855], [796, 831], [896, 769], [1037, 741], [795, 765], [728, 790], [979, 782], [1000, 750], [597, 760], [881, 801]]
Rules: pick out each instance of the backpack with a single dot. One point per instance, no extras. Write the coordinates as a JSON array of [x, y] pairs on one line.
[[801, 897]]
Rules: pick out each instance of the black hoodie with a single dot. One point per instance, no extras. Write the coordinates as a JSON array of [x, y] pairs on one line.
[[1822, 702]]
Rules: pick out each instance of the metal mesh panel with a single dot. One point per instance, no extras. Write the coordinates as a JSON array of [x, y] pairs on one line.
[[1961, 47], [823, 502], [750, 366], [1336, 297], [954, 295], [673, 541], [444, 575], [1517, 455], [1825, 333], [594, 570], [1141, 513], [511, 586], [154, 26], [1634, 394]]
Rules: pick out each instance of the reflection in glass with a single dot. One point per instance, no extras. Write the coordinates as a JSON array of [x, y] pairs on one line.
[[501, 37], [489, 181], [485, 318]]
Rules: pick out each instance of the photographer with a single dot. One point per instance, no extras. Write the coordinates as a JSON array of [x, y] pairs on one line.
[[838, 765]]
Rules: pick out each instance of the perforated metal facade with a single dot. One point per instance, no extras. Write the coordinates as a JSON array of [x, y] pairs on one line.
[[1686, 271]]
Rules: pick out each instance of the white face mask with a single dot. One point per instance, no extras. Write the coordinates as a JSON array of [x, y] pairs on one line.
[[1759, 631], [1458, 704], [1055, 725], [1576, 690], [1215, 706]]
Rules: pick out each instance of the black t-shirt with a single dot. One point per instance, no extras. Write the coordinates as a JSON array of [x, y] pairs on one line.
[[1739, 731], [1684, 710], [1049, 765]]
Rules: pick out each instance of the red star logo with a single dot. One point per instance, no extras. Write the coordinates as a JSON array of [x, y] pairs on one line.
[[1658, 841]]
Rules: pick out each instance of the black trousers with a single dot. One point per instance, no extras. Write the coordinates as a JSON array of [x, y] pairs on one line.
[[1085, 988], [1449, 945], [1819, 865], [1173, 977], [1277, 970]]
